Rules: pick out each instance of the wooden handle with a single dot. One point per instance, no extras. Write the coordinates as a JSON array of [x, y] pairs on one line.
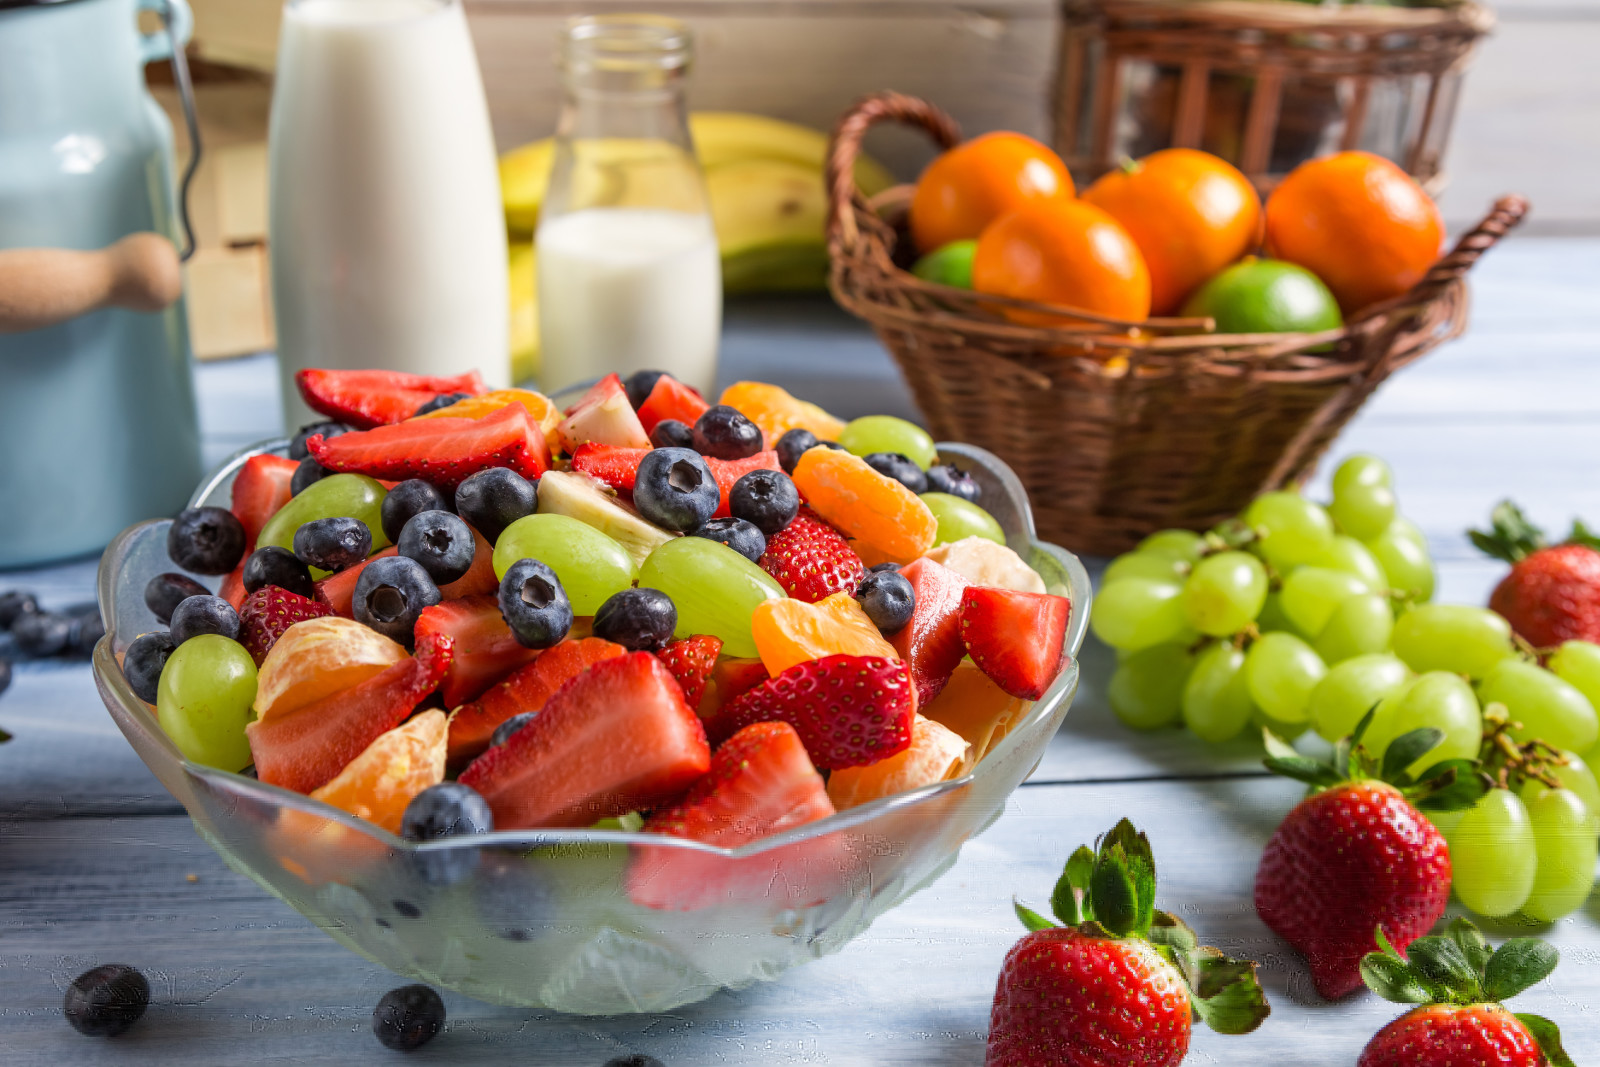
[[41, 287], [840, 167]]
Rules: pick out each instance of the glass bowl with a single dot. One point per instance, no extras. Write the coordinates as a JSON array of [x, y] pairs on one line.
[[551, 918]]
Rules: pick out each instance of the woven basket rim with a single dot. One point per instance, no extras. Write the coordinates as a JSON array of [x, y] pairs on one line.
[[1465, 15]]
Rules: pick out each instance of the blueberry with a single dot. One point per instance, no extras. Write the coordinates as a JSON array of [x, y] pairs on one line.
[[143, 662], [14, 604], [448, 809], [106, 1000], [5, 675], [308, 473], [741, 536], [725, 433], [639, 384], [792, 445], [334, 544], [495, 498], [888, 600], [273, 565], [675, 489], [534, 605], [640, 620], [946, 478], [637, 1059], [442, 543], [390, 593], [164, 592], [42, 633], [408, 1018], [204, 615], [206, 540], [766, 499], [511, 897], [878, 568], [503, 732], [900, 468], [670, 433], [411, 497], [297, 447], [441, 400], [86, 630]]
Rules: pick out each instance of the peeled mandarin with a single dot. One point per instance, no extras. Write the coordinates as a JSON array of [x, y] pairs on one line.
[[318, 657], [777, 412], [974, 707], [936, 753], [791, 631], [870, 508], [378, 784]]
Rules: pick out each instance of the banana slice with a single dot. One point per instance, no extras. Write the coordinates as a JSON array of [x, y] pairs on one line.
[[983, 562], [589, 501]]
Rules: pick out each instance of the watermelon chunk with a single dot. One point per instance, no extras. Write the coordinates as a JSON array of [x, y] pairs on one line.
[[671, 399], [931, 642], [485, 648]]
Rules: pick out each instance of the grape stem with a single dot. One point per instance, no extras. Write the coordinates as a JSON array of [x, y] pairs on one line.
[[1511, 763]]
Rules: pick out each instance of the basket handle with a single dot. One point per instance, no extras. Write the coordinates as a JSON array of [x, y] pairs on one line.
[[845, 145], [1508, 211]]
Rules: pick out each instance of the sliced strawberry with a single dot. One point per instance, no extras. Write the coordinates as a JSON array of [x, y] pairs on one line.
[[339, 590], [368, 398], [232, 588], [479, 579], [930, 644], [617, 467], [305, 749], [671, 399], [728, 471], [445, 451], [525, 689], [1014, 637], [615, 739], [485, 648], [849, 710], [691, 662], [760, 783], [266, 613], [812, 560], [731, 677], [259, 489], [603, 415]]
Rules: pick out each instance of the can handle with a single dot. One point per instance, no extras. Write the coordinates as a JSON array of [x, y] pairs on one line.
[[177, 27], [42, 287]]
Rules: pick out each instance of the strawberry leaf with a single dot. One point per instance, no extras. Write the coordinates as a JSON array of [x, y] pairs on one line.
[[1473, 944], [1070, 901], [1225, 993], [1516, 965], [1441, 962], [1276, 746], [1582, 535], [1406, 749], [1032, 919], [1548, 1035], [1393, 979], [1169, 930], [1123, 885], [1304, 769], [1510, 535], [1453, 785]]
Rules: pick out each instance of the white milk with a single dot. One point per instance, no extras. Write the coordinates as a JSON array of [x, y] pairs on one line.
[[387, 235], [626, 289]]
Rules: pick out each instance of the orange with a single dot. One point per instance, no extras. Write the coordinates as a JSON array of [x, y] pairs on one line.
[[789, 631], [936, 753], [974, 707], [1359, 223], [318, 657], [1190, 213], [876, 511], [378, 784], [975, 183], [777, 412], [541, 407], [1064, 252]]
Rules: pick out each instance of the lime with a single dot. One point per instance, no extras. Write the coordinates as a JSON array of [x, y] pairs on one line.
[[1266, 296], [949, 264]]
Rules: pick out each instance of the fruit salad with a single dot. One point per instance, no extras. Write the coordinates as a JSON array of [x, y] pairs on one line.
[[449, 610]]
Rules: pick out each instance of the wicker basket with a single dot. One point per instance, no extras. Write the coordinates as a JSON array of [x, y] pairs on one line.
[[1265, 85], [1117, 434]]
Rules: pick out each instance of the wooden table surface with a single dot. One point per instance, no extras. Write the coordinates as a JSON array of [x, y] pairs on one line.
[[99, 864]]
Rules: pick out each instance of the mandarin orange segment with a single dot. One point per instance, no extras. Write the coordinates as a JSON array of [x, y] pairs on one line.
[[974, 707], [777, 412], [937, 753], [378, 784], [541, 407], [888, 519], [791, 631], [318, 657]]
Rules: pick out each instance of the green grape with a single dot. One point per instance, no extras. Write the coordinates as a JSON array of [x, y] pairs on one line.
[[1310, 595], [1437, 699], [1405, 529], [715, 589], [1578, 664], [1493, 854], [1272, 619], [959, 519], [1404, 559], [1548, 708], [1350, 689], [1225, 592], [1452, 637], [204, 701], [1564, 837], [335, 497], [1216, 698], [1363, 511], [1136, 613], [1179, 544], [1359, 626], [1352, 557], [1281, 671], [1574, 775], [885, 433], [1146, 690], [1360, 469], [1293, 530], [591, 565], [1145, 565]]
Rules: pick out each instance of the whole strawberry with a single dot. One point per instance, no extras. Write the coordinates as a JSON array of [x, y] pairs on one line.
[[848, 710], [1358, 853], [269, 611], [812, 560], [1118, 984], [1459, 983], [1553, 592]]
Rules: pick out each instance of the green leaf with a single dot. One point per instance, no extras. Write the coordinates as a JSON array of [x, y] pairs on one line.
[[1069, 902], [1123, 885], [1456, 787], [1225, 993], [1361, 727], [1516, 965], [1440, 961], [1385, 945], [1549, 1037], [1032, 919], [1393, 979], [1304, 769], [1276, 746], [1406, 749], [1473, 944], [4, 737], [1510, 535], [1167, 929], [1582, 535]]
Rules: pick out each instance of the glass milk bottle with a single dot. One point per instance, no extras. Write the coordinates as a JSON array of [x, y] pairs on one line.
[[629, 275], [386, 229]]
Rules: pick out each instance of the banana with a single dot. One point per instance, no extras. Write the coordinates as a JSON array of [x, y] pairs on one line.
[[524, 311], [582, 498], [769, 216], [524, 177]]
